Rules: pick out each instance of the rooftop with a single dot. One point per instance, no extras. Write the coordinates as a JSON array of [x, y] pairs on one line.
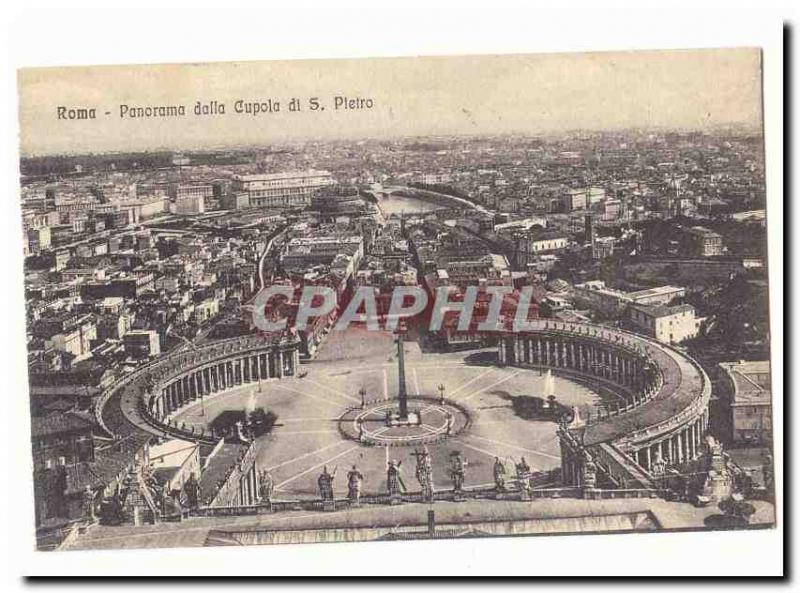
[[659, 311], [751, 381], [57, 423], [547, 235], [282, 176], [655, 291], [324, 240], [109, 463]]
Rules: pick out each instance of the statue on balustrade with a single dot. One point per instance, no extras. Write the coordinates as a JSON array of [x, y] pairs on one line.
[[111, 510], [424, 473], [719, 482], [767, 473], [325, 483], [458, 468], [266, 485], [149, 479], [523, 471], [716, 454], [499, 471], [589, 475], [354, 480], [394, 481], [89, 496], [192, 491], [165, 498]]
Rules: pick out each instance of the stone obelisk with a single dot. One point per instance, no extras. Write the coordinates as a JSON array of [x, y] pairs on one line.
[[402, 394]]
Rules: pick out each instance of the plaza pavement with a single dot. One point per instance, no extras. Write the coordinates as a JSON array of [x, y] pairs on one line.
[[306, 437]]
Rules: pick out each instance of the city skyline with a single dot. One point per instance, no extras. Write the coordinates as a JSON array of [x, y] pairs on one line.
[[552, 136]]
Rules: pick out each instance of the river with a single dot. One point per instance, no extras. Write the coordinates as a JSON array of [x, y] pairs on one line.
[[395, 205]]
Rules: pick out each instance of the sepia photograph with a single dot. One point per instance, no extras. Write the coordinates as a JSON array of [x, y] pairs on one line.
[[415, 324], [452, 299]]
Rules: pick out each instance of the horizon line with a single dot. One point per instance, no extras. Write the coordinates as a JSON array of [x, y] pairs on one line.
[[749, 128]]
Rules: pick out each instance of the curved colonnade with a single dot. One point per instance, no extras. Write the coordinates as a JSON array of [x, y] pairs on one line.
[[661, 408], [660, 412], [149, 398]]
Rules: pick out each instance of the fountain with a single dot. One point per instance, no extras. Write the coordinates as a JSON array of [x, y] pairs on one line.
[[549, 384], [246, 427], [250, 407]]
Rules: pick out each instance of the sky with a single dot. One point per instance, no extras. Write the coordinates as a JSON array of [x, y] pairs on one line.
[[527, 94]]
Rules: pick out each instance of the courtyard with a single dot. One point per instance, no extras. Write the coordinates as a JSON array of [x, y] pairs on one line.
[[310, 407]]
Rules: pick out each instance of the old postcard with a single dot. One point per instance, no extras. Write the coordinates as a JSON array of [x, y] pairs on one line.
[[396, 299]]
